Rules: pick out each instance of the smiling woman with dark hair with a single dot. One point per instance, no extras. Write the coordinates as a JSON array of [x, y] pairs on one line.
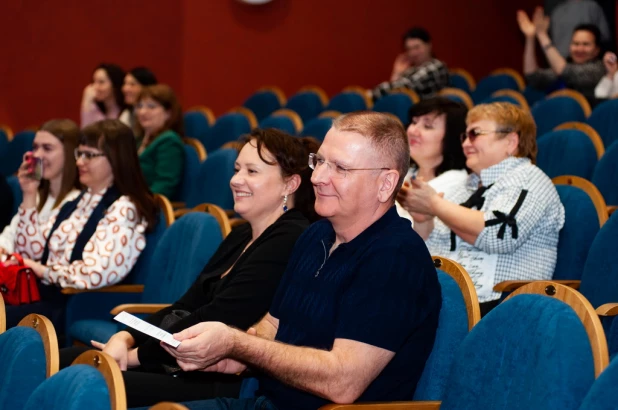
[[436, 155], [134, 81], [103, 98]]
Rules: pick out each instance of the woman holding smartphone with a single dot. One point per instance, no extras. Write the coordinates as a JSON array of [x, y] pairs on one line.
[[51, 175], [608, 86]]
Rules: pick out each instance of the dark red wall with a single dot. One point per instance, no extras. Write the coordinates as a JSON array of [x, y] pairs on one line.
[[217, 52]]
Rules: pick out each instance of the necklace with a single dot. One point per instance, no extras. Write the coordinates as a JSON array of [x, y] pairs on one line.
[[324, 261]]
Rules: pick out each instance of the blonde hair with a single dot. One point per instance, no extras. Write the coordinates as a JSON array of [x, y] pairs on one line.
[[386, 135], [512, 118]]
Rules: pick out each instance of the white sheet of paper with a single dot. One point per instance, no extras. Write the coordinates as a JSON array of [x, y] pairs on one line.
[[145, 327], [481, 267]]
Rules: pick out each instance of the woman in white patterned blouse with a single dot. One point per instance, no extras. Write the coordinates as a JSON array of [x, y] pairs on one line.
[[512, 234], [95, 240]]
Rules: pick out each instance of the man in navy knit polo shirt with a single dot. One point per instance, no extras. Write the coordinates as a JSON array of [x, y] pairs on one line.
[[356, 312]]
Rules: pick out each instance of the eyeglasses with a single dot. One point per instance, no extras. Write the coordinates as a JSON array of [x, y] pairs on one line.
[[87, 155], [473, 133], [336, 170], [150, 106]]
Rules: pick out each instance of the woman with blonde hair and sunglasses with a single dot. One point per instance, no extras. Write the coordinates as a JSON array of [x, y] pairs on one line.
[[503, 224]]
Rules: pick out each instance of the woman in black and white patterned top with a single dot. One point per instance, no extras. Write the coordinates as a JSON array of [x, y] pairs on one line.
[[503, 224]]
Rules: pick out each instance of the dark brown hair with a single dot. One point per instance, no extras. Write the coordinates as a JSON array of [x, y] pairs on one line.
[[117, 142], [67, 132], [292, 156], [164, 95]]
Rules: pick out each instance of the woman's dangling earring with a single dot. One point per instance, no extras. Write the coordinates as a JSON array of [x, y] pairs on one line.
[[285, 203]]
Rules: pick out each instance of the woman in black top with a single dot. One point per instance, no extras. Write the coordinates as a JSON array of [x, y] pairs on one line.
[[273, 192]]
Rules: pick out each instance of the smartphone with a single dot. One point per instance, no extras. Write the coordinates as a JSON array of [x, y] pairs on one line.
[[35, 168]]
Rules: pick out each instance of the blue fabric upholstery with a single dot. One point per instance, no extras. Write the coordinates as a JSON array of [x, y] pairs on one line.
[[77, 387], [96, 305], [490, 84], [580, 228], [397, 104], [189, 174], [501, 98], [452, 329], [19, 145], [566, 152], [16, 190], [612, 339], [229, 127], [23, 365], [605, 121], [317, 128], [262, 103], [550, 113], [181, 255], [307, 104], [599, 279], [458, 81], [530, 352], [213, 181], [346, 102], [196, 125], [532, 95], [605, 176], [604, 391], [279, 122]]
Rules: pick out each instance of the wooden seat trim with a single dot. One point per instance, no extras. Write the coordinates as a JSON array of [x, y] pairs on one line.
[[577, 96], [207, 112], [589, 131], [197, 146], [111, 373], [362, 91], [456, 92], [519, 79], [166, 207], [319, 91], [513, 94], [466, 75], [590, 189], [292, 115], [45, 328]]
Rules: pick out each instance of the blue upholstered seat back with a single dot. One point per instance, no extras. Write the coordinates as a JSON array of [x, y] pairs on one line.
[[396, 104], [452, 329], [23, 365], [605, 176], [531, 352], [307, 104], [605, 121], [262, 103], [77, 387], [191, 169], [492, 83], [346, 102], [213, 182], [196, 125], [550, 113], [181, 255], [576, 236], [566, 152], [317, 128], [501, 98], [17, 147], [603, 395], [600, 277], [279, 122], [229, 127]]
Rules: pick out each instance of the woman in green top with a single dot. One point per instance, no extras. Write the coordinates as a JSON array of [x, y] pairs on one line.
[[159, 129]]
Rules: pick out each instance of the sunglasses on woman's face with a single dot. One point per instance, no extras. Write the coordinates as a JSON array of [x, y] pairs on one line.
[[474, 133]]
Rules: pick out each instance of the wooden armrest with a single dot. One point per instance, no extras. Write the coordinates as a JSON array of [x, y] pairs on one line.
[[513, 285], [180, 212], [608, 309], [139, 308], [107, 289], [395, 405], [611, 209], [230, 213], [178, 204]]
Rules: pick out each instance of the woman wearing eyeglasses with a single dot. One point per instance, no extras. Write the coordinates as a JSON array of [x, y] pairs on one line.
[[159, 128], [94, 240], [436, 155], [503, 224]]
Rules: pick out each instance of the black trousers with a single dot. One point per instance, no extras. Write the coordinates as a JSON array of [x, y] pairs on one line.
[[146, 388], [52, 305]]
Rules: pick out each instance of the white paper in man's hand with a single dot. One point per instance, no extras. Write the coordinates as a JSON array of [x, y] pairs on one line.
[[146, 328]]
